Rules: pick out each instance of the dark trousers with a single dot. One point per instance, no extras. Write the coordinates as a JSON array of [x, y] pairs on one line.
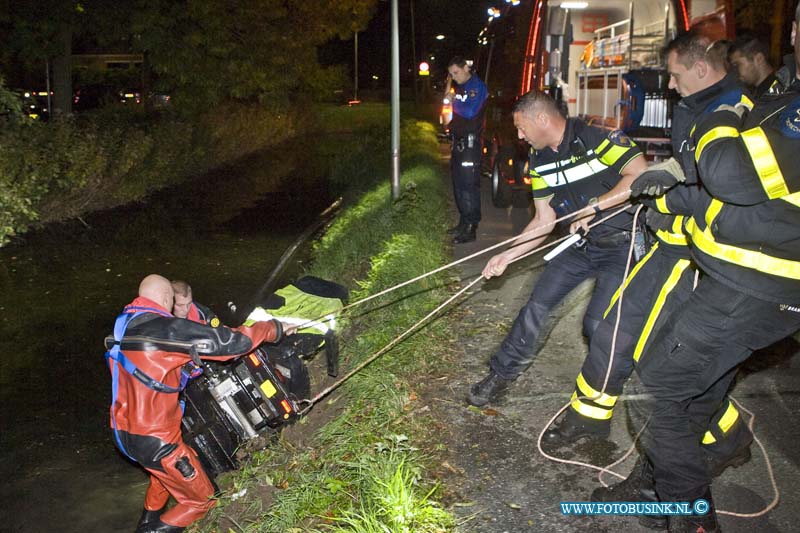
[[465, 169], [559, 278], [688, 370], [650, 284]]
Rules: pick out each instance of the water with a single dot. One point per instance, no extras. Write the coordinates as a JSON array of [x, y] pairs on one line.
[[60, 292]]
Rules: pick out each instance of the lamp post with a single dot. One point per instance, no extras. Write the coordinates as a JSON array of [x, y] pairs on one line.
[[395, 103], [355, 68]]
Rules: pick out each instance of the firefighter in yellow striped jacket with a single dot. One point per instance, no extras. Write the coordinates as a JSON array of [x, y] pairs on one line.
[[665, 273], [745, 238]]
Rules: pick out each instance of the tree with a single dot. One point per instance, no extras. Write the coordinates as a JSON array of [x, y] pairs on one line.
[[206, 51]]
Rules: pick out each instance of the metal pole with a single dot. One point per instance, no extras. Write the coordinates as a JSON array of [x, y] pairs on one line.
[[488, 64], [414, 50], [47, 80], [395, 104], [355, 75]]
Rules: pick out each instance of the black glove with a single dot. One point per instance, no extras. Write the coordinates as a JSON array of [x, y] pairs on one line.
[[658, 179]]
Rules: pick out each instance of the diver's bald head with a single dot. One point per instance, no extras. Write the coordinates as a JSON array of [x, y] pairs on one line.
[[159, 289]]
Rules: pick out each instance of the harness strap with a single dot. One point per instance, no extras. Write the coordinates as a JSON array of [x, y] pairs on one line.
[[116, 354]]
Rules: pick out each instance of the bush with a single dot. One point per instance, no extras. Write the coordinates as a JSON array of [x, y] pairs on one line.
[[61, 169]]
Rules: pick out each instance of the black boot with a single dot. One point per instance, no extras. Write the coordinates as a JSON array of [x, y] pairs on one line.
[[732, 450], [467, 234], [147, 518], [455, 230], [705, 523], [637, 487], [574, 427], [488, 389], [157, 526]]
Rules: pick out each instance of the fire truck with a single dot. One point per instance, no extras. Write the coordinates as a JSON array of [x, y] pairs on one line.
[[600, 59]]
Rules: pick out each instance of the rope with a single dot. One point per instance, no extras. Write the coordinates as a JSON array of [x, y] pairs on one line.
[[608, 373], [528, 235], [607, 469], [309, 403]]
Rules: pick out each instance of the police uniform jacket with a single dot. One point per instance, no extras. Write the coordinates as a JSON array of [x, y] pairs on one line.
[[469, 103], [588, 164]]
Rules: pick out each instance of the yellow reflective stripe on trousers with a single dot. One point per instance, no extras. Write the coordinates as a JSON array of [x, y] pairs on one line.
[[769, 172], [639, 265], [712, 135], [675, 235], [606, 400], [590, 411], [658, 305], [725, 423], [704, 240], [671, 238]]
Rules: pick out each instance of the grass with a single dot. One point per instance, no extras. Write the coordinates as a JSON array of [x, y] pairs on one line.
[[365, 470]]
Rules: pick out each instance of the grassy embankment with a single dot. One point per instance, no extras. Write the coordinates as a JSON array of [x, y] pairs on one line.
[[358, 462]]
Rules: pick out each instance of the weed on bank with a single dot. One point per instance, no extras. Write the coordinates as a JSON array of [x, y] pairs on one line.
[[365, 469]]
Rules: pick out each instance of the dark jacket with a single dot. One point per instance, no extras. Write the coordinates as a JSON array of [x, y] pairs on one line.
[[686, 114], [746, 224]]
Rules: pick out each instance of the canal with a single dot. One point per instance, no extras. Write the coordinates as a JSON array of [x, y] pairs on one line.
[[60, 290]]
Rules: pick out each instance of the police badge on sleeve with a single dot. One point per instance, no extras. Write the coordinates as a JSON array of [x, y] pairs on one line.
[[620, 138], [790, 120]]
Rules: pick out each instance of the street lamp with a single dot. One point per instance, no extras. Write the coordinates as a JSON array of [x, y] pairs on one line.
[[440, 37]]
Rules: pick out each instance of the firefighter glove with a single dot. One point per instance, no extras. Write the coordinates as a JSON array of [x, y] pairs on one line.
[[738, 109], [659, 178]]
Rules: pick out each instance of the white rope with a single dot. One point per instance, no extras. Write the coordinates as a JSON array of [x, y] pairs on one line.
[[309, 403]]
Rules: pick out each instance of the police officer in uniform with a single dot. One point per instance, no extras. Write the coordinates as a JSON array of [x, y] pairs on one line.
[[575, 169], [469, 102], [745, 238]]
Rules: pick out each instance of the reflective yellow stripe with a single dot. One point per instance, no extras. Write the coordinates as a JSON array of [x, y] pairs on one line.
[[606, 400], [538, 183], [725, 423], [672, 280], [769, 172], [708, 438], [661, 205], [676, 239], [677, 224], [630, 277], [590, 411], [729, 418], [792, 198], [744, 100], [712, 135], [713, 210], [613, 155], [704, 240]]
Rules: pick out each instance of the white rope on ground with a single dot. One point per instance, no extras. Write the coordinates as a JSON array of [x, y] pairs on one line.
[[607, 469], [602, 391]]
